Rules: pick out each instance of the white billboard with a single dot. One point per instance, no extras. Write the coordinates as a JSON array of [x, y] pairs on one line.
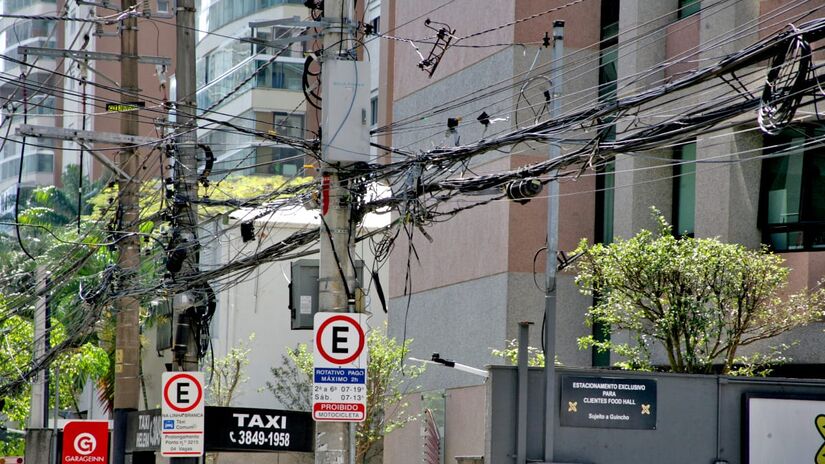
[[790, 429]]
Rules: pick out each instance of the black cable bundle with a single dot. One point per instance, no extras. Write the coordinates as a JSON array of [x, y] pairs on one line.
[[784, 86]]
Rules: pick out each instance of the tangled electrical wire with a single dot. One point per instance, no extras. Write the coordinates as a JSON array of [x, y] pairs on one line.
[[428, 187], [785, 85]]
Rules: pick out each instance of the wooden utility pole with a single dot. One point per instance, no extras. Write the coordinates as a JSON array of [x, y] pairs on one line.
[[334, 441], [127, 341]]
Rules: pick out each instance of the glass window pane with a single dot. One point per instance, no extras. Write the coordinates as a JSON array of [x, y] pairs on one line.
[[373, 111], [605, 182], [688, 7], [815, 187], [784, 184], [684, 190]]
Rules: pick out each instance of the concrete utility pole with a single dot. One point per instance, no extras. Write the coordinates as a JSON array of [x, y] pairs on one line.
[[552, 251], [127, 341], [39, 406], [333, 442], [185, 345]]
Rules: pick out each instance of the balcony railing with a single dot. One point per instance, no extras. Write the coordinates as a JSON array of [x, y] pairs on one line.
[[224, 12], [277, 75]]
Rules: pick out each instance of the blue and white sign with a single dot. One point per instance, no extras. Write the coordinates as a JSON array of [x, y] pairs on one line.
[[339, 387]]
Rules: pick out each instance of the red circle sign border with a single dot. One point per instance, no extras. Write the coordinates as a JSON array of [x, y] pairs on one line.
[[169, 384], [326, 355]]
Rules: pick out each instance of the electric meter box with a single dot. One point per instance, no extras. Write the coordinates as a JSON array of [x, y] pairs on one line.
[[345, 118], [303, 291]]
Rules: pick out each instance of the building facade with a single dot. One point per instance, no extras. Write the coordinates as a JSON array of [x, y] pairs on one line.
[[72, 93], [613, 49]]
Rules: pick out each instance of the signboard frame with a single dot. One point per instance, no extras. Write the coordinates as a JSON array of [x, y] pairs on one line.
[[339, 379], [817, 450], [183, 427], [608, 402], [144, 430], [88, 444]]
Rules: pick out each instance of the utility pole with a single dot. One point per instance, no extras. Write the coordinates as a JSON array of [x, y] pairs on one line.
[[334, 442], [185, 344], [127, 341], [39, 406], [552, 250]]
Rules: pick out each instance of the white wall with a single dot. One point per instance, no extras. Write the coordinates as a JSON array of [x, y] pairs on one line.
[[259, 305]]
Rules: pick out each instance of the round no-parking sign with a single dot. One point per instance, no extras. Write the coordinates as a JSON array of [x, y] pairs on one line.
[[339, 338], [182, 392]]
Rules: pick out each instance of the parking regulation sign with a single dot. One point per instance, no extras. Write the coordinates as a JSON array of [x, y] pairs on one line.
[[182, 414], [339, 383]]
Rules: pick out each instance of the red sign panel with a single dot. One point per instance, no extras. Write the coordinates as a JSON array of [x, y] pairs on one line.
[[336, 412], [86, 442]]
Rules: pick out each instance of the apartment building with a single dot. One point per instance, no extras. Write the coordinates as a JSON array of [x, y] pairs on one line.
[[482, 271], [54, 100]]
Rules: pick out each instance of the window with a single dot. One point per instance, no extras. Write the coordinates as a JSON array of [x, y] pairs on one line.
[[38, 162], [282, 161], [22, 32], [792, 195], [374, 110], [609, 53], [223, 12], [281, 75], [289, 125], [605, 184], [605, 175], [163, 6], [15, 5], [684, 190], [296, 49], [376, 24], [689, 7]]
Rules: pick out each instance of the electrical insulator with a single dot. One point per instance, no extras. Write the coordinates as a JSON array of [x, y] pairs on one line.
[[521, 191]]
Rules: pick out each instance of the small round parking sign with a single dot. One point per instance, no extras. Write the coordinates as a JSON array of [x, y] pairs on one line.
[[182, 392], [340, 339]]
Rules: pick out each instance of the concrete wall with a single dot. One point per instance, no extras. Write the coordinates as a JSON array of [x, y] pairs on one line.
[[465, 418], [688, 428]]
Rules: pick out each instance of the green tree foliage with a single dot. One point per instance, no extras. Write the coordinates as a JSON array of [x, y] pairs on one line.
[[227, 374], [76, 367], [699, 299], [48, 216], [535, 356], [386, 408]]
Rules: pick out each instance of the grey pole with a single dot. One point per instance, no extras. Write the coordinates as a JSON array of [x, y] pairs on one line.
[[521, 422], [55, 459], [333, 440], [185, 349], [552, 251]]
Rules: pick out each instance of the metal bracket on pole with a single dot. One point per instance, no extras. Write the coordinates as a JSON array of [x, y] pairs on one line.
[[84, 55], [107, 162], [75, 135], [282, 41], [294, 21]]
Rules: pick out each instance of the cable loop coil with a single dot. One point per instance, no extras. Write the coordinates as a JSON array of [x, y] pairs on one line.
[[785, 85]]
